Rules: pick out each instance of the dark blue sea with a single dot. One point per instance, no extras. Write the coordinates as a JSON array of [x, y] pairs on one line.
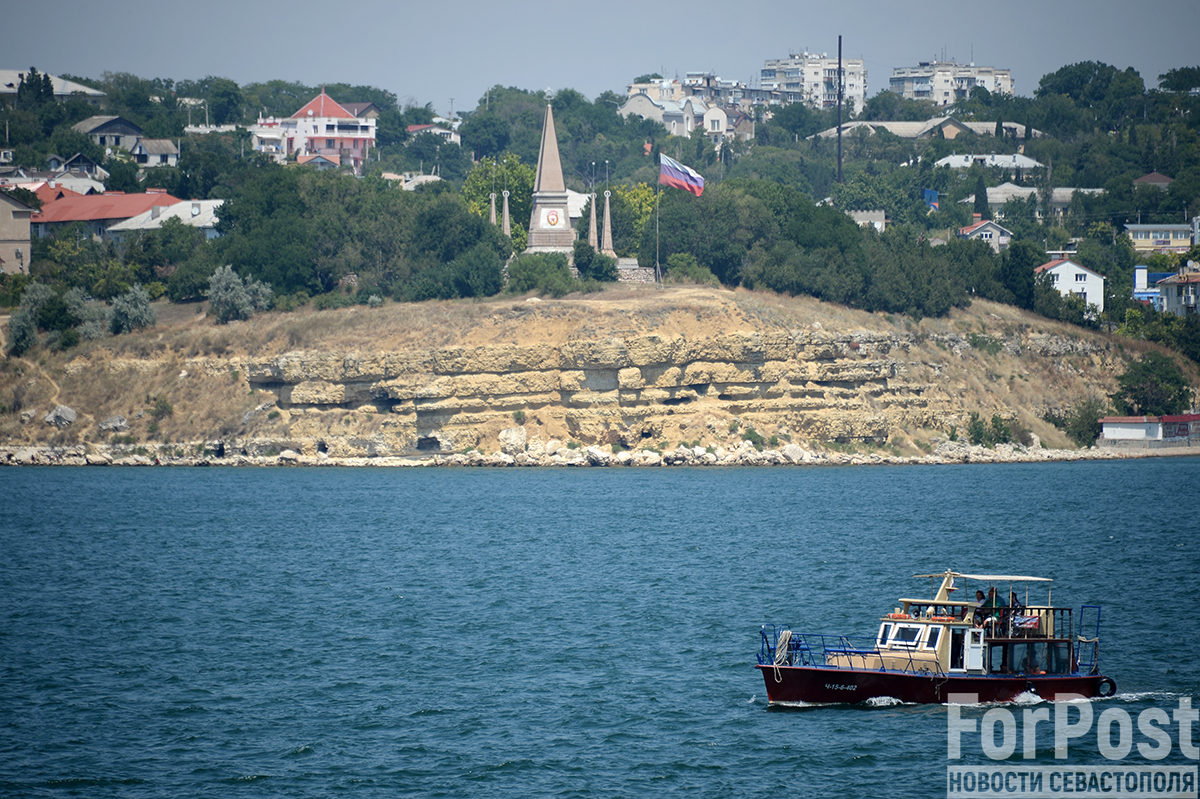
[[517, 633]]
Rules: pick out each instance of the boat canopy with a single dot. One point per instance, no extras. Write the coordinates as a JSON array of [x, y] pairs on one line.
[[990, 577]]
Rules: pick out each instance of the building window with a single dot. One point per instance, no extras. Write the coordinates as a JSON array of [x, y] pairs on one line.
[[1080, 278], [1053, 278], [329, 144]]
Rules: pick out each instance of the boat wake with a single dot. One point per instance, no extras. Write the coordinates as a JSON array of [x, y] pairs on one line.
[[885, 701]]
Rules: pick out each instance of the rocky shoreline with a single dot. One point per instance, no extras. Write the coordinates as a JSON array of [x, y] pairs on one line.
[[553, 454]]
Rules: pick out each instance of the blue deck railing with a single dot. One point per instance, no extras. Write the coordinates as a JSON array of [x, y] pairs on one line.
[[816, 649]]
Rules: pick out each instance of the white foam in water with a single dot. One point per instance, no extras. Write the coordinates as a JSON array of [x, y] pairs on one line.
[[884, 701], [1027, 698]]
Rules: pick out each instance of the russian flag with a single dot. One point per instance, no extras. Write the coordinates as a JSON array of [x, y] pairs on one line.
[[678, 176]]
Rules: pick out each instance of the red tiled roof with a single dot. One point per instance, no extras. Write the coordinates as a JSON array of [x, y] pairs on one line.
[[1186, 417], [419, 128], [323, 106], [1129, 419], [113, 205], [48, 195]]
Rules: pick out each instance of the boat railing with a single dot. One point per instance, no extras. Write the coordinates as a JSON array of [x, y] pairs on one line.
[[1087, 647], [857, 652]]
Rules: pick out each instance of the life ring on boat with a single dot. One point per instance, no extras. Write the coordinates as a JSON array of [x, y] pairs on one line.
[[1106, 687], [944, 618], [899, 616]]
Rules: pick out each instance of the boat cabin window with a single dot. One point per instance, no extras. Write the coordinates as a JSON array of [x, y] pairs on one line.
[[884, 629], [906, 636], [931, 640], [1030, 657]]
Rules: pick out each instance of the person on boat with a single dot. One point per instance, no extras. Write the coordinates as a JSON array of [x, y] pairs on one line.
[[1013, 602], [978, 605]]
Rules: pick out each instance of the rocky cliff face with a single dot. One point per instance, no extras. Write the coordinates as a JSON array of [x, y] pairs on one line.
[[637, 391], [650, 372]]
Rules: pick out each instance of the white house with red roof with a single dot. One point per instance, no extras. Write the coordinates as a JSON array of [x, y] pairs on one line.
[[1072, 279], [323, 127], [987, 230]]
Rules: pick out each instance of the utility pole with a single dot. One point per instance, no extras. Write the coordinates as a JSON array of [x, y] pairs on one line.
[[839, 87]]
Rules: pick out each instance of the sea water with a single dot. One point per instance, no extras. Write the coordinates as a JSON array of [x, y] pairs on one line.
[[530, 632]]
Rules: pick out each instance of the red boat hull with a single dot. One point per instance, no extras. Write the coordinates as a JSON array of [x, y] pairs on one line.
[[814, 684]]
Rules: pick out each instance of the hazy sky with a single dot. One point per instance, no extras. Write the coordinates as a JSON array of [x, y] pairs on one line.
[[434, 51]]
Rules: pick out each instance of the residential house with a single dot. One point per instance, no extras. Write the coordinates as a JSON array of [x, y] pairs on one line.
[[200, 214], [363, 110], [1060, 198], [944, 127], [49, 191], [97, 212], [679, 118], [110, 132], [1181, 290], [876, 219], [150, 153], [947, 82], [1145, 286], [812, 79], [321, 163], [14, 234], [1075, 280], [1016, 164], [996, 236], [1164, 238], [80, 164], [323, 127], [1154, 179], [10, 81], [446, 134]]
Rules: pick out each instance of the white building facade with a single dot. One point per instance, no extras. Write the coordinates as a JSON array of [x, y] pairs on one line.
[[811, 78], [1072, 279], [946, 82]]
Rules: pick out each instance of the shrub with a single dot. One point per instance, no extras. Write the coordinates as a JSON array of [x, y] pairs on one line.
[[519, 417], [22, 331], [544, 273], [332, 301], [162, 408], [374, 301], [1081, 422], [190, 279], [593, 265], [749, 434], [229, 298], [683, 267], [980, 432], [478, 272], [131, 311]]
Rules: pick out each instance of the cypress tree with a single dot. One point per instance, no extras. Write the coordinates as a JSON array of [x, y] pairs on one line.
[[999, 134], [981, 199]]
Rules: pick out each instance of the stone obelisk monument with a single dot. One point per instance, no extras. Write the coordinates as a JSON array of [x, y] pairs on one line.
[[550, 224], [607, 247]]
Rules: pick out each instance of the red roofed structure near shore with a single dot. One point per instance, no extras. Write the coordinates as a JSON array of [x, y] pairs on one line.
[[97, 211]]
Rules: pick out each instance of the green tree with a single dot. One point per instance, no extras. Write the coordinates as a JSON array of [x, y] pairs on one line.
[[224, 101], [1153, 385], [1017, 265], [122, 176], [982, 209]]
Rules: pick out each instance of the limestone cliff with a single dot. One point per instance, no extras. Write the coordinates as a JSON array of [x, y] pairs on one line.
[[635, 368]]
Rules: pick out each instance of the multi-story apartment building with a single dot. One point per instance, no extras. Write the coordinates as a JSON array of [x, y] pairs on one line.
[[811, 78], [322, 127], [946, 82]]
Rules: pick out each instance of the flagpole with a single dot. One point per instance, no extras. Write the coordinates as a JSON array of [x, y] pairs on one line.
[[657, 196]]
